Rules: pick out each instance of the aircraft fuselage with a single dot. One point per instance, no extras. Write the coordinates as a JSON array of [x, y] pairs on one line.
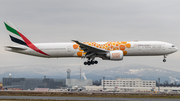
[[131, 48]]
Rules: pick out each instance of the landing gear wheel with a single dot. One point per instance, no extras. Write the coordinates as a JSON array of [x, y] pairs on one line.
[[85, 63], [164, 60], [92, 62], [89, 63], [96, 62]]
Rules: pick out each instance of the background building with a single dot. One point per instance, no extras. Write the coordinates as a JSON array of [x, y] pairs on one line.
[[32, 83], [121, 82], [79, 82]]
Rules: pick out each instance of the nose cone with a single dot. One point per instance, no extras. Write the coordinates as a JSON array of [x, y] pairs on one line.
[[176, 49]]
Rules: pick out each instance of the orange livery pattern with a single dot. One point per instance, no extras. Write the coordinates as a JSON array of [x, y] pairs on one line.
[[117, 45]]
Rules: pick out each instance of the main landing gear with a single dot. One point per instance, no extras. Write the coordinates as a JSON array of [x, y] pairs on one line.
[[90, 62], [164, 60]]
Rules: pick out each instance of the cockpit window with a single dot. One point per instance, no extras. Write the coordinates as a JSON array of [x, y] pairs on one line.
[[173, 46]]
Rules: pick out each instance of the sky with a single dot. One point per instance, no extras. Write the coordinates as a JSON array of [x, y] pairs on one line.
[[94, 21]]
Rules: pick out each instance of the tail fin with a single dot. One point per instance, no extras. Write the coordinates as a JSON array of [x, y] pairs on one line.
[[15, 35], [19, 38]]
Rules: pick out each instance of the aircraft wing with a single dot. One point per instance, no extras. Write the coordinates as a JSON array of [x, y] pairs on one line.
[[88, 48]]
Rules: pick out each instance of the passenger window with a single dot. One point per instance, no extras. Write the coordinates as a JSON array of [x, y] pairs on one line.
[[173, 46]]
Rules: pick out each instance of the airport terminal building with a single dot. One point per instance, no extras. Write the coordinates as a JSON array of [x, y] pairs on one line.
[[122, 82], [125, 85], [32, 83]]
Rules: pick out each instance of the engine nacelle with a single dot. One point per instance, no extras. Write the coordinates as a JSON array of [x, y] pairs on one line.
[[115, 55]]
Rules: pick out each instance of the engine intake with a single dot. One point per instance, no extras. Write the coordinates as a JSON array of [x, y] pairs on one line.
[[115, 55]]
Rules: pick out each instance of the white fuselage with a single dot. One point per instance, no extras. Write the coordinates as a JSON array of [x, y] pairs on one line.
[[132, 48]]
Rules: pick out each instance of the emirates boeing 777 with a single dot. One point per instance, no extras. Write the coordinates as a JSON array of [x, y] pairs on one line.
[[115, 50]]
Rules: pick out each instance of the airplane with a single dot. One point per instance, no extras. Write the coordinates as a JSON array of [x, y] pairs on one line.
[[115, 50]]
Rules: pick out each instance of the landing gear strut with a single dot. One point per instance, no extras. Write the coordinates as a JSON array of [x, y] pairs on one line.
[[90, 62], [164, 60]]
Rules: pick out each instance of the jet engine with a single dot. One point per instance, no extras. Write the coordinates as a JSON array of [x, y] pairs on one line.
[[115, 55]]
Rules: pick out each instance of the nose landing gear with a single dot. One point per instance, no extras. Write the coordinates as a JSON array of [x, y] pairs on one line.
[[164, 60]]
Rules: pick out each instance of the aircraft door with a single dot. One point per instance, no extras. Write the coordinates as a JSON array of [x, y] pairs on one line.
[[137, 49], [163, 47], [69, 48]]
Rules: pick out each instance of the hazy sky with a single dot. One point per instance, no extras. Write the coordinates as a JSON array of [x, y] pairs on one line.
[[91, 20]]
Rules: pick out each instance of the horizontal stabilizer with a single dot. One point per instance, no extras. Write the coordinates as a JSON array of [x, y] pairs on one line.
[[15, 47]]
